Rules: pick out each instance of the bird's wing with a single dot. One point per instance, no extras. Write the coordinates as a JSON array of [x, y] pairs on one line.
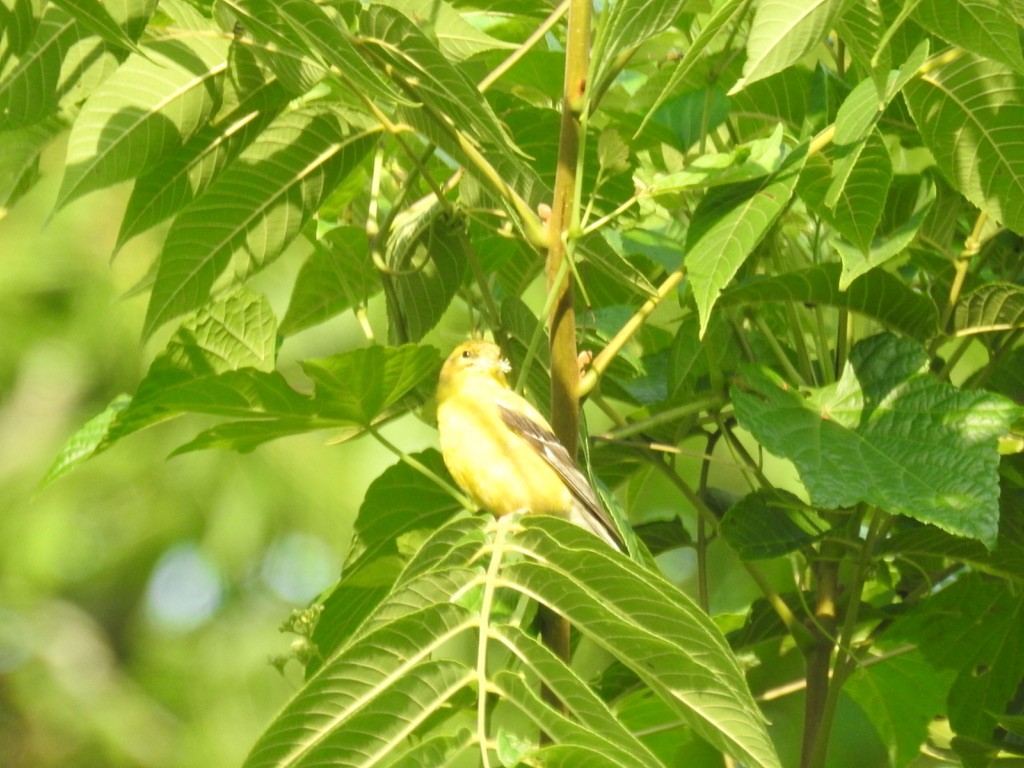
[[547, 446]]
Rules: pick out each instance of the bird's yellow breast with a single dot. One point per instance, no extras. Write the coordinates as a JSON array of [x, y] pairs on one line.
[[496, 467]]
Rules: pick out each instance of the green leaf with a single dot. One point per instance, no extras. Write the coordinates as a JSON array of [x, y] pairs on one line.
[[188, 171], [398, 503], [877, 294], [650, 626], [1006, 561], [427, 253], [95, 17], [377, 692], [337, 275], [747, 162], [983, 27], [721, 17], [221, 362], [327, 36], [974, 627], [990, 308], [286, 57], [146, 109], [627, 24], [782, 32], [901, 695], [889, 242], [771, 523], [34, 86], [862, 109], [87, 441], [728, 224], [887, 434], [360, 385], [969, 112], [860, 27], [19, 158], [255, 208], [861, 175], [442, 89], [456, 36]]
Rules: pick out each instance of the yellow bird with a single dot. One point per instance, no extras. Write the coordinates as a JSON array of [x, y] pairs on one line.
[[502, 452]]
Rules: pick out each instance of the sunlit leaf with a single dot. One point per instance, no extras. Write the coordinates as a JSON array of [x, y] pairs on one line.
[[256, 207], [968, 112], [147, 108], [782, 32], [989, 309]]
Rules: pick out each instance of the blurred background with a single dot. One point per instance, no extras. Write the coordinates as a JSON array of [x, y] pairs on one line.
[[140, 596]]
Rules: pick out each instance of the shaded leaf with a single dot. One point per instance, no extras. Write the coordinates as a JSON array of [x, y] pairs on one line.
[[336, 276], [901, 695], [877, 294], [976, 628], [427, 252], [728, 224], [771, 523]]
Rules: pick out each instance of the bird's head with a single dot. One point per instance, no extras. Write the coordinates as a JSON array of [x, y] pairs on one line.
[[473, 361]]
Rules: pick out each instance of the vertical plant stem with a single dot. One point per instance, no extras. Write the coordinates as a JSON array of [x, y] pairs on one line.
[[818, 654], [562, 318]]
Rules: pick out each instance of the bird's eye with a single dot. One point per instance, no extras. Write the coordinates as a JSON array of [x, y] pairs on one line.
[[466, 354]]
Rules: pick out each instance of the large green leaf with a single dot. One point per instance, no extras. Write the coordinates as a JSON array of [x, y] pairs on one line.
[[150, 106], [889, 434], [389, 686], [782, 32], [983, 27], [728, 224], [256, 207], [877, 294], [969, 113]]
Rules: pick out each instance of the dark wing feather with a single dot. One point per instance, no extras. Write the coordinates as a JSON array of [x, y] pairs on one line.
[[548, 447]]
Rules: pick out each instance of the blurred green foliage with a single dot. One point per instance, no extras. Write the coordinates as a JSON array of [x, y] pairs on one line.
[[140, 598]]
